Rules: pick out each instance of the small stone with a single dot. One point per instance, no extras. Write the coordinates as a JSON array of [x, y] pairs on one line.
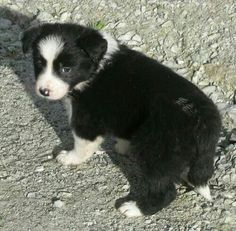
[[121, 25], [229, 195], [175, 49], [33, 195], [50, 157], [234, 204], [58, 204], [132, 43], [5, 23], [203, 82], [39, 169], [226, 178], [198, 75], [232, 113], [125, 187], [137, 38], [65, 16], [227, 201], [228, 219], [233, 177], [64, 194], [183, 71], [127, 36], [148, 221], [233, 136], [44, 16], [3, 174], [209, 89], [89, 223], [167, 24]]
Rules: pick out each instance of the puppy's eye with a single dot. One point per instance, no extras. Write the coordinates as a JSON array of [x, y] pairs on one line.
[[65, 70]]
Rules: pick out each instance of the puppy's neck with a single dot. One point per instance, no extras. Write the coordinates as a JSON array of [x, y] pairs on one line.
[[112, 48]]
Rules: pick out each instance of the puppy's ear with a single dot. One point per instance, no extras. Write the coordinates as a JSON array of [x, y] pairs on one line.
[[93, 44], [29, 36]]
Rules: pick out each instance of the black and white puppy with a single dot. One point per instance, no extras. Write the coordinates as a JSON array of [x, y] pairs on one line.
[[163, 119]]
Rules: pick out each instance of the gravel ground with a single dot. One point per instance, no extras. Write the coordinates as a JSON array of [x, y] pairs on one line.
[[196, 38]]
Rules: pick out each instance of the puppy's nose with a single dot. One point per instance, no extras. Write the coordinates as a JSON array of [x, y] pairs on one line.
[[44, 91]]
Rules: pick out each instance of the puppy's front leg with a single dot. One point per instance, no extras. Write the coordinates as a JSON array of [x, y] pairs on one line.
[[83, 149]]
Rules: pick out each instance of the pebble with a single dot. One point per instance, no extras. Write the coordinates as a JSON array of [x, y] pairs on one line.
[[127, 36], [175, 49], [234, 204], [44, 16], [3, 174], [65, 16], [121, 25], [227, 201], [228, 219], [226, 178], [39, 169], [5, 23], [58, 204], [35, 195], [229, 195], [126, 187], [148, 221], [49, 157], [233, 136], [209, 89], [232, 113], [137, 38], [64, 194]]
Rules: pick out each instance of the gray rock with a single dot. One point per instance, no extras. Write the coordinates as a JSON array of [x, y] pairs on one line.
[[232, 137], [58, 204], [65, 16], [64, 194], [39, 169], [5, 23], [35, 195], [127, 36], [232, 113]]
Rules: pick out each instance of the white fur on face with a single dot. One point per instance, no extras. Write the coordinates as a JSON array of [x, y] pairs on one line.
[[50, 48]]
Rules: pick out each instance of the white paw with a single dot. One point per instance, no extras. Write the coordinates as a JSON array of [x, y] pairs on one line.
[[204, 191], [130, 209], [69, 158]]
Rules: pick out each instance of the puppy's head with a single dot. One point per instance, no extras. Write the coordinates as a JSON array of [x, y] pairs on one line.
[[63, 55]]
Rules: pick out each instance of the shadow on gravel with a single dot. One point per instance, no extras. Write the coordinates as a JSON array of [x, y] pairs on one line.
[[21, 64], [54, 112]]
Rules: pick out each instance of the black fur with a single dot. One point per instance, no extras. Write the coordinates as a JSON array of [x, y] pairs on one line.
[[171, 123]]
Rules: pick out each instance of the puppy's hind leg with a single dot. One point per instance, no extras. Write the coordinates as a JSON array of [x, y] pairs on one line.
[[156, 194], [83, 149]]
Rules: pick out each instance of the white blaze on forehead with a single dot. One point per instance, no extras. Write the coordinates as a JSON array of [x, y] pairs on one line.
[[50, 47]]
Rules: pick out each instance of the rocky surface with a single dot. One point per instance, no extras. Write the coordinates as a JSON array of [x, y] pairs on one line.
[[196, 38]]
